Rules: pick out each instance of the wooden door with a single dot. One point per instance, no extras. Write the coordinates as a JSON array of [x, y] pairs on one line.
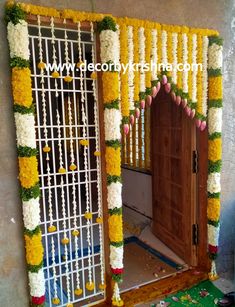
[[174, 184]]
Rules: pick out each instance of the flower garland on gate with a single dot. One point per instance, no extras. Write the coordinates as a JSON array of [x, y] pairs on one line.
[[17, 33], [112, 121], [214, 147]]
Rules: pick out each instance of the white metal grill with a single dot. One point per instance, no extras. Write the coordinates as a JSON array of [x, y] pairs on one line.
[[61, 271]]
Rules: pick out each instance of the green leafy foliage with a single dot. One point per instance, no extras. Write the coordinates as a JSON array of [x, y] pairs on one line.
[[14, 14], [107, 24]]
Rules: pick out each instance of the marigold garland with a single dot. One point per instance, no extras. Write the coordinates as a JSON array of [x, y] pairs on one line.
[[116, 228], [21, 86], [28, 171], [215, 88], [110, 86], [34, 249], [199, 75], [113, 161], [148, 43]]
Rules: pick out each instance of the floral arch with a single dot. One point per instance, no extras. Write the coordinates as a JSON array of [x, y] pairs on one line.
[[123, 40]]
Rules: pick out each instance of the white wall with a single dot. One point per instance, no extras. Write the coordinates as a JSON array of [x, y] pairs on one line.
[[137, 191]]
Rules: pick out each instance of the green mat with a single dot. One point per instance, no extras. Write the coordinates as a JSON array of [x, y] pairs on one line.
[[192, 297]]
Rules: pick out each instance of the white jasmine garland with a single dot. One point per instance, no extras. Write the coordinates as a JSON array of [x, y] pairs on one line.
[[214, 120], [154, 54], [130, 71], [194, 70], [112, 122], [31, 213], [18, 39], [213, 183], [116, 257], [36, 283], [213, 235], [142, 58], [205, 42], [164, 47], [109, 46], [215, 56], [185, 61], [114, 195], [174, 55], [25, 132]]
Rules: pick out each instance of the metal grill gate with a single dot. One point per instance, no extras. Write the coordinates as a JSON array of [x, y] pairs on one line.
[[65, 195]]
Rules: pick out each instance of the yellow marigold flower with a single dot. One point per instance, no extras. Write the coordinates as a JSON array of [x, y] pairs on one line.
[[46, 149], [110, 86], [41, 65], [102, 286], [78, 291], [62, 170], [215, 150], [75, 232], [79, 64], [65, 241], [97, 153], [94, 75], [21, 86], [72, 167], [88, 215], [213, 277], [68, 79], [84, 142], [99, 220], [28, 171], [55, 74], [52, 228], [117, 303], [69, 305], [56, 301], [34, 249], [215, 87], [90, 286], [115, 228], [148, 42], [113, 161], [213, 209]]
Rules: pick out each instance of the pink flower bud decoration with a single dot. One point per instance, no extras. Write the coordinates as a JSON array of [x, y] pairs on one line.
[[154, 91], [168, 88], [188, 110], [164, 79], [198, 122], [142, 104], [132, 119], [149, 100], [178, 100], [137, 112], [126, 129], [203, 125], [173, 96], [192, 114], [158, 86], [184, 102]]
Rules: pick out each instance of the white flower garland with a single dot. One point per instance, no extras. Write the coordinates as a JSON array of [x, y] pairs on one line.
[[25, 132], [215, 56], [185, 61], [115, 195], [215, 120], [174, 56], [213, 235], [109, 47], [116, 257], [194, 71], [112, 122], [205, 42], [18, 38], [154, 53], [164, 48], [37, 283], [213, 183], [130, 71], [142, 58], [31, 213]]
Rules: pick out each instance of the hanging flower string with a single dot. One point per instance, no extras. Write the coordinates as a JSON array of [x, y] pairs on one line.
[[67, 78], [97, 154], [85, 143]]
